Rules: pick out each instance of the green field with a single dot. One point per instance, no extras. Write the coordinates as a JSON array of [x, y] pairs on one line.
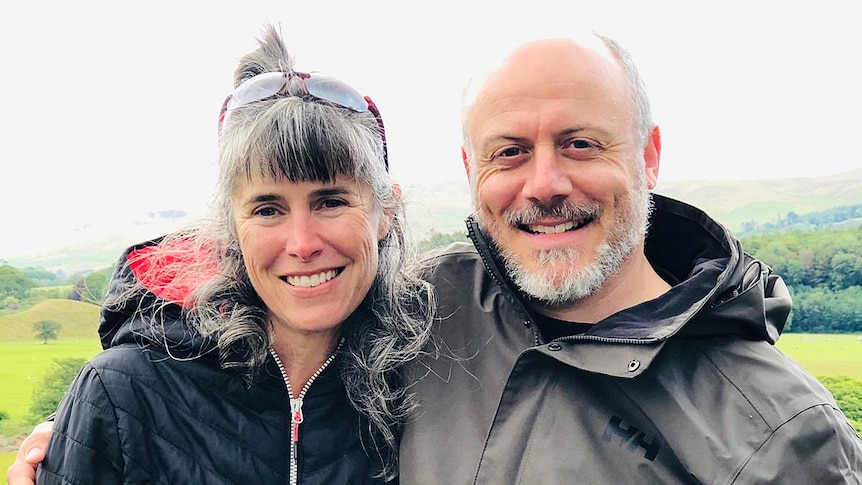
[[825, 354], [23, 363]]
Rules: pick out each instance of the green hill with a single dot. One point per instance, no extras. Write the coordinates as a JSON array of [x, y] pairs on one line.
[[78, 320], [736, 202]]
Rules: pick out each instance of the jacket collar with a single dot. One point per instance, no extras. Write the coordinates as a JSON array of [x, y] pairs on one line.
[[720, 290]]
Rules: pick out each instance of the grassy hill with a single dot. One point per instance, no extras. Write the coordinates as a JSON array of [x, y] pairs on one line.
[[78, 320], [735, 202]]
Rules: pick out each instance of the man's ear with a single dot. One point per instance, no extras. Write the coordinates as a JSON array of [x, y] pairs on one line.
[[652, 155], [466, 162], [388, 215]]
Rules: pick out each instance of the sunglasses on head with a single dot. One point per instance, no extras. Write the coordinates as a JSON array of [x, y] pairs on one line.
[[320, 86]]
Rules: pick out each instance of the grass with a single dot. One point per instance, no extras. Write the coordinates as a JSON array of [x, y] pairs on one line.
[[825, 354], [22, 364], [6, 459], [78, 320]]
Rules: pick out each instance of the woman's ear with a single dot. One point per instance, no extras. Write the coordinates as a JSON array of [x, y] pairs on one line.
[[389, 215]]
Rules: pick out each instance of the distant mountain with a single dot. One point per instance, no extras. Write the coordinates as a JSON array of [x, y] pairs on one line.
[[443, 208], [763, 201]]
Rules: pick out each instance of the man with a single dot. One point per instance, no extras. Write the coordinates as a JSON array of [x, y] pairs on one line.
[[572, 348]]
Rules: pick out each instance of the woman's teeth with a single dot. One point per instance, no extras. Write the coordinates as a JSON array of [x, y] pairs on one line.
[[310, 281]]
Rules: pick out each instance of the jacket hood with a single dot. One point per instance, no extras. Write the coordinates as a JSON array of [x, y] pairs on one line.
[[717, 287], [162, 323]]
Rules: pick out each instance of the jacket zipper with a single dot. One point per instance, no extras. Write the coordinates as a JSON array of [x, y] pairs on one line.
[[296, 416]]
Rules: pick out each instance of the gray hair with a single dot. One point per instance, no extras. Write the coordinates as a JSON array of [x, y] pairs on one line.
[[637, 87], [296, 137]]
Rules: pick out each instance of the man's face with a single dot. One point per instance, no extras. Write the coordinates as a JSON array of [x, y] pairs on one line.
[[557, 169]]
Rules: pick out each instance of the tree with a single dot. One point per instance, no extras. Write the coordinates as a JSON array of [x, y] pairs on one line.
[[848, 394], [92, 287], [436, 239], [49, 390], [41, 276], [46, 329], [14, 283]]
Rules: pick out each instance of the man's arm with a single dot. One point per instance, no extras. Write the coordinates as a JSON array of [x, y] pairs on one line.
[[817, 445], [30, 454]]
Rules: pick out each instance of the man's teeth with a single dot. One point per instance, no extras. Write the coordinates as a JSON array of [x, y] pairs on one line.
[[310, 281], [551, 229]]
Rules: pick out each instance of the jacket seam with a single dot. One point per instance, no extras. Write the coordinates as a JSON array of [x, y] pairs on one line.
[[772, 433]]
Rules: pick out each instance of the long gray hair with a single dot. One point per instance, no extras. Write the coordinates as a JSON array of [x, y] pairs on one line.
[[296, 137]]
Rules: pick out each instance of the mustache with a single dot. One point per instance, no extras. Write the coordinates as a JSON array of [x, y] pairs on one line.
[[562, 210]]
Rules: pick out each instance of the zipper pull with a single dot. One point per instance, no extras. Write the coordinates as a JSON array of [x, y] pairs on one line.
[[295, 418]]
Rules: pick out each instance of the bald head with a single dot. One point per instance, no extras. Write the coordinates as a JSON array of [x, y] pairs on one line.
[[537, 67]]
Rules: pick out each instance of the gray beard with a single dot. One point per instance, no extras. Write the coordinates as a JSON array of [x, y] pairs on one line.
[[553, 287]]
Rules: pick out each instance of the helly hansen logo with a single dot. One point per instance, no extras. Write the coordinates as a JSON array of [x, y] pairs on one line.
[[633, 436]]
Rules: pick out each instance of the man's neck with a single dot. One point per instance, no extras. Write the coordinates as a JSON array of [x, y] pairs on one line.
[[635, 283]]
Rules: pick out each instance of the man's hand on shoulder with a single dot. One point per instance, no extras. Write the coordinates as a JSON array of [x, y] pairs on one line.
[[30, 454]]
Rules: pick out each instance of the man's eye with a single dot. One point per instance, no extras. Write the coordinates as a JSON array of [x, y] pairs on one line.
[[510, 152], [581, 144]]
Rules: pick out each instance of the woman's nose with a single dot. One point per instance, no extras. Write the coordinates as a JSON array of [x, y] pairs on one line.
[[303, 240]]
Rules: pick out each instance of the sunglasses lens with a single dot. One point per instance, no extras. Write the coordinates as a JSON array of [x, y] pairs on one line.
[[259, 87], [335, 91]]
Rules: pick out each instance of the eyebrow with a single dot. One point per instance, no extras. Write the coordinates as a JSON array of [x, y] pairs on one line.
[[560, 134], [322, 192], [331, 191], [258, 198]]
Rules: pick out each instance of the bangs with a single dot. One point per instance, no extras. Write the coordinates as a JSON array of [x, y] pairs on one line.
[[302, 142]]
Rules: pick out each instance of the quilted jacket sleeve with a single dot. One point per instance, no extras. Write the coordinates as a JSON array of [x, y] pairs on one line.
[[817, 445], [85, 444]]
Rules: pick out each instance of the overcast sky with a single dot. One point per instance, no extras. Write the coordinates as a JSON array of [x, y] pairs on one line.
[[109, 108]]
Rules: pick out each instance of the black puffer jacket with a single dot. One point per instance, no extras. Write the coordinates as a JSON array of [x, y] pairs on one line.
[[142, 415]]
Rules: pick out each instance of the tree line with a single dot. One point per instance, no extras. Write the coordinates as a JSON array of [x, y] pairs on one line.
[[842, 215], [823, 270], [20, 288]]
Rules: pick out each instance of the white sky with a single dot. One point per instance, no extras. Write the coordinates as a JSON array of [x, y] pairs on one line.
[[109, 108]]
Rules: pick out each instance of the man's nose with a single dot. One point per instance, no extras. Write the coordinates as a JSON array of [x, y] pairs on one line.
[[549, 180]]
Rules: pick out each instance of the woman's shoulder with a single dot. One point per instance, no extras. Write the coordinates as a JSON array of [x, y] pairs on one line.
[[146, 366]]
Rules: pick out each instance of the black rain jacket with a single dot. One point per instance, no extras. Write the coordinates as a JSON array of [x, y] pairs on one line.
[[684, 389]]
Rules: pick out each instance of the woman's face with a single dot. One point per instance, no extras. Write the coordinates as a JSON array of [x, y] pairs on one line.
[[310, 249]]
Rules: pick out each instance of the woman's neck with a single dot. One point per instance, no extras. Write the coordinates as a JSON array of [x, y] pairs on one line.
[[302, 354]]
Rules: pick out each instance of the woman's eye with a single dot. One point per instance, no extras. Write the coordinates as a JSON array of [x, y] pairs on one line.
[[332, 203], [266, 212]]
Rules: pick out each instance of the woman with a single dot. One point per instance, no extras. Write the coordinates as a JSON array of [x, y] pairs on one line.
[[263, 345]]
